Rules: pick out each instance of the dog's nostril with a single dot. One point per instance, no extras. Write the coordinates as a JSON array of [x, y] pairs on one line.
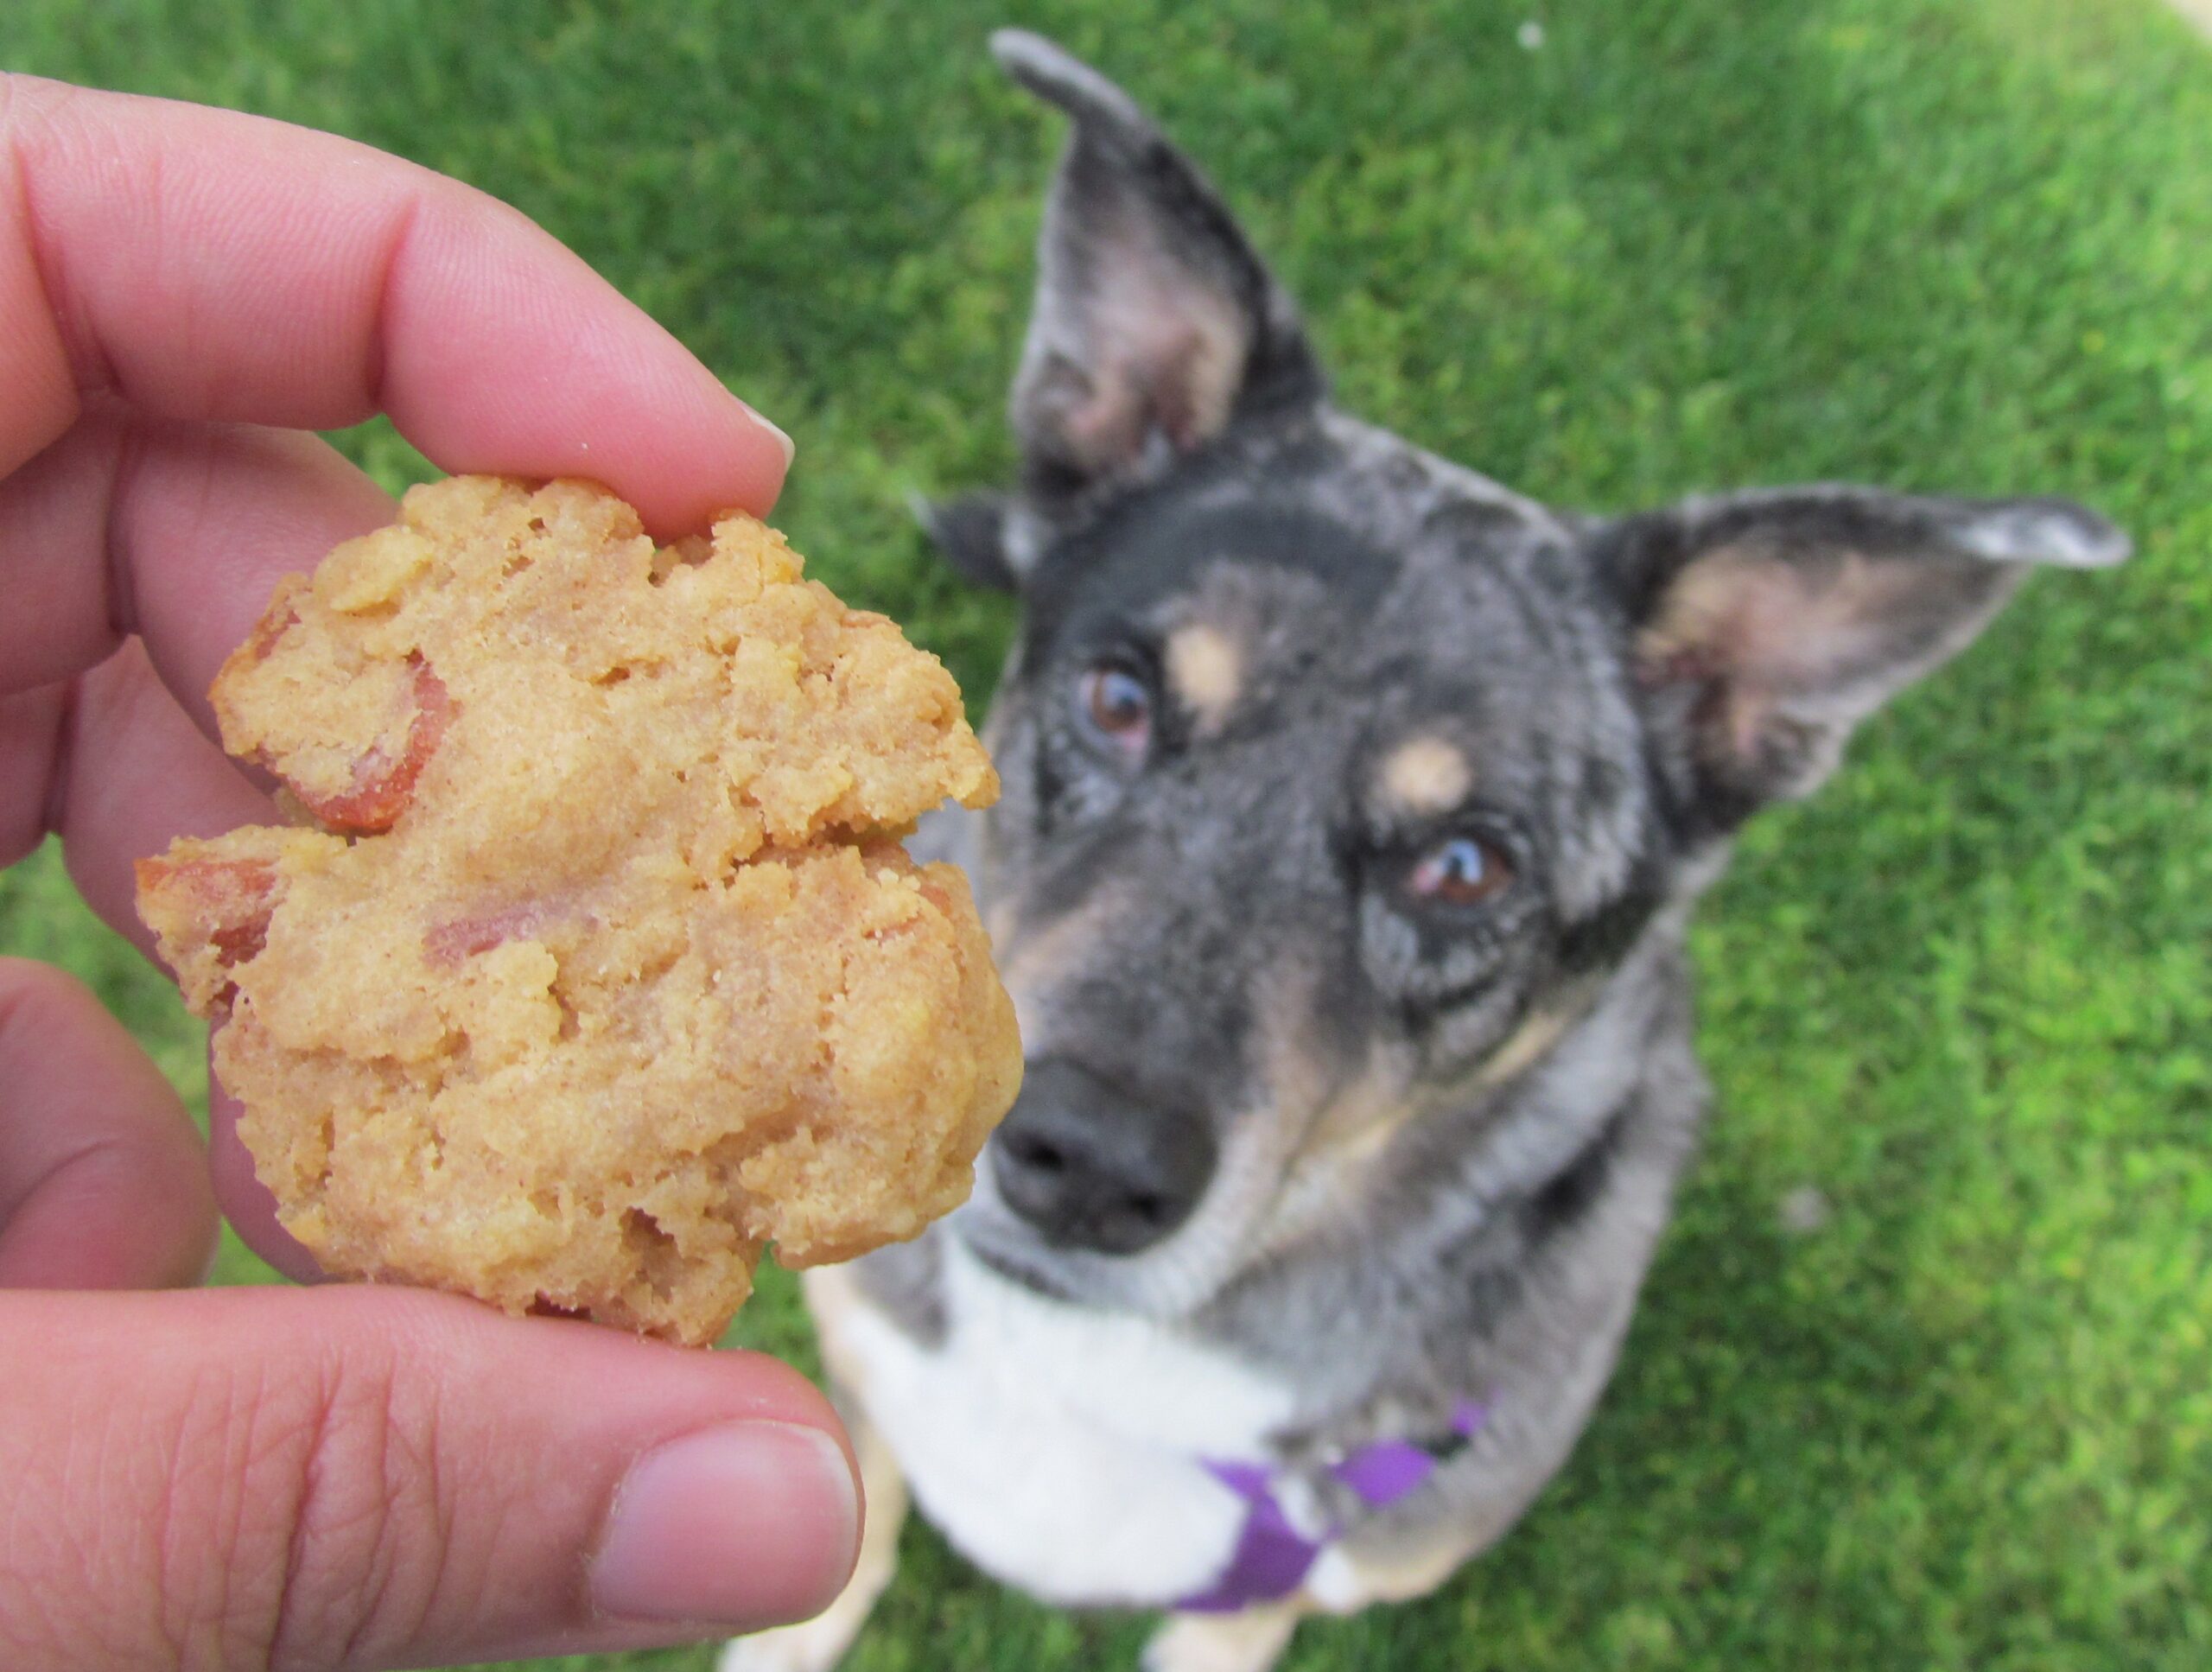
[[1151, 1209], [1038, 1154], [1090, 1168]]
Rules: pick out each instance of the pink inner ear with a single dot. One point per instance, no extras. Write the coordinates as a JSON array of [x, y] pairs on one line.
[[1773, 628], [1764, 638], [1166, 353], [1107, 425]]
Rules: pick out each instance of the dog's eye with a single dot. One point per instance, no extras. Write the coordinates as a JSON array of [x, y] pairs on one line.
[[1462, 870], [1115, 702]]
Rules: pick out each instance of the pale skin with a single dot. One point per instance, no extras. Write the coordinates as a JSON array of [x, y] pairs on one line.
[[319, 1477]]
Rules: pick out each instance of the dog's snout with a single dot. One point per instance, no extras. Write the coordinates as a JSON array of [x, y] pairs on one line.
[[1091, 1168]]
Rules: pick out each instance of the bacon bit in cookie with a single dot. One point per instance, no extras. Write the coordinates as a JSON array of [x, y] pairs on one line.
[[241, 942], [447, 944], [383, 786], [262, 639], [235, 895], [934, 891]]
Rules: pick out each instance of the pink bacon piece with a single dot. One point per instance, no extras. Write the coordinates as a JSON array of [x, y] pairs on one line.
[[447, 944], [384, 783], [234, 897], [262, 639], [231, 900]]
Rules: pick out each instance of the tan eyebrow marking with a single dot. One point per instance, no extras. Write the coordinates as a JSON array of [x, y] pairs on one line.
[[1427, 775], [1207, 670]]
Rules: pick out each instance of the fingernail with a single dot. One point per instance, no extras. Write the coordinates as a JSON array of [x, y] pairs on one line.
[[790, 447], [743, 1526]]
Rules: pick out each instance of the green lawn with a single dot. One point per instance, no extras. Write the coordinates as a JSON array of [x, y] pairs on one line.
[[1966, 1422]]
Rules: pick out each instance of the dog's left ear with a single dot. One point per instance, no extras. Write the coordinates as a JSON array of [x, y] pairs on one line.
[[971, 534], [1767, 625], [1155, 322]]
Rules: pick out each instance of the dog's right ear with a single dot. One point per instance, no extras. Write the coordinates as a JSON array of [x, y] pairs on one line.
[[1155, 322]]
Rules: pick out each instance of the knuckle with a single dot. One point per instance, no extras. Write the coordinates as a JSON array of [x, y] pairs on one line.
[[42, 124], [304, 1522], [367, 1540]]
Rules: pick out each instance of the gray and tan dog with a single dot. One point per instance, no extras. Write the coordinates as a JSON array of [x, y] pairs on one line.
[[1356, 807]]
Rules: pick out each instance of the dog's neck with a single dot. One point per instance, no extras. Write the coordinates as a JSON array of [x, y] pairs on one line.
[[1438, 1235]]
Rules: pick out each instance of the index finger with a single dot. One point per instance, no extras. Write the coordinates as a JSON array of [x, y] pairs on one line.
[[205, 264]]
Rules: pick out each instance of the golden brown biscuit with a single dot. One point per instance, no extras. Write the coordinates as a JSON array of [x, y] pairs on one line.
[[604, 967]]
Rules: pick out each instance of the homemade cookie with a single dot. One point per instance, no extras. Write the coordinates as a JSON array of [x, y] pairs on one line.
[[602, 966]]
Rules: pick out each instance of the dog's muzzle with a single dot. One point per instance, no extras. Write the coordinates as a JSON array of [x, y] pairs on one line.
[[1090, 1168]]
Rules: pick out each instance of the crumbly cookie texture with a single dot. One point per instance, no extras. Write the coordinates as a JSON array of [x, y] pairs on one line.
[[600, 966]]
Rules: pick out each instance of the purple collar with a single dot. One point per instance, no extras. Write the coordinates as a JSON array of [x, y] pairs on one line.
[[1272, 1556]]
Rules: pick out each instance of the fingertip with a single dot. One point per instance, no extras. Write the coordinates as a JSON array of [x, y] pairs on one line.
[[782, 437], [685, 1534], [507, 353]]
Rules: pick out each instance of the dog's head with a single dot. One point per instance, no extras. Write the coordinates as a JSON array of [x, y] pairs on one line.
[[1340, 781]]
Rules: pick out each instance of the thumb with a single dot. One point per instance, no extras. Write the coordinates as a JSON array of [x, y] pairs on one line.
[[381, 1478]]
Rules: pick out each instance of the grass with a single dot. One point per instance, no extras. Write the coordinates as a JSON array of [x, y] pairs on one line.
[[1955, 244]]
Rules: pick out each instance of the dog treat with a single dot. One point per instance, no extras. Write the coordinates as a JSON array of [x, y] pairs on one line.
[[600, 965]]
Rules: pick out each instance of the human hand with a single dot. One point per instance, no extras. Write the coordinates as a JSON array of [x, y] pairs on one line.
[[337, 1477]]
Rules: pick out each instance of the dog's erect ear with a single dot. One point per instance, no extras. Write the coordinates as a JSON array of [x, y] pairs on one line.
[[1154, 323], [1767, 625], [971, 533]]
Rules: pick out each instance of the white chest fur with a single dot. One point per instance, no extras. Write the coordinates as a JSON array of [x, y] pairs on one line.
[[1058, 1448]]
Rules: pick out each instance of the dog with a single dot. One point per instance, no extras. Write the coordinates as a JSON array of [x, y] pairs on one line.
[[1355, 811]]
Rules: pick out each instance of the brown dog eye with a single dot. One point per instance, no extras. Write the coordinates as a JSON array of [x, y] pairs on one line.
[[1118, 704], [1462, 871]]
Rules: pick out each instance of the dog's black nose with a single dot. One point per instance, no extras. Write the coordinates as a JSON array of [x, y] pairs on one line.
[[1091, 1168]]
